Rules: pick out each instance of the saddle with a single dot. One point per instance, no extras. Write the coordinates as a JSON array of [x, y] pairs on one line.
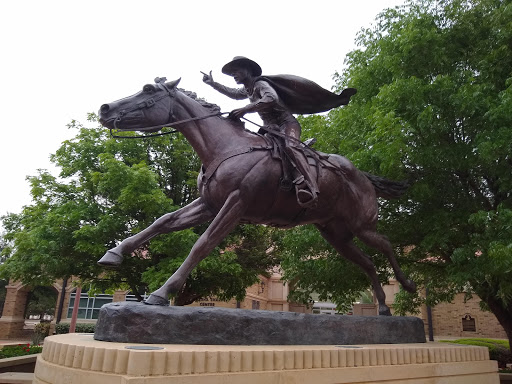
[[290, 173]]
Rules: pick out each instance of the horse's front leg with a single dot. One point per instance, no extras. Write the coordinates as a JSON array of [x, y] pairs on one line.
[[225, 221], [189, 216]]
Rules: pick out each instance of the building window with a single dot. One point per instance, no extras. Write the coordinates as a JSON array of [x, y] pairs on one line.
[[468, 323], [255, 304], [320, 308], [88, 307], [132, 297]]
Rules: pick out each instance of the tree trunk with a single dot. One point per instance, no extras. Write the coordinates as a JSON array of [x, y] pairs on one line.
[[136, 293], [502, 313]]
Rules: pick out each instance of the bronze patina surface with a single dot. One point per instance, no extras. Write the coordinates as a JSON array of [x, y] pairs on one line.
[[241, 177], [132, 322]]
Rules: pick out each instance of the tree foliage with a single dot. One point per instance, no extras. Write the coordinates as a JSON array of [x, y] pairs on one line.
[[315, 270], [108, 190], [434, 106], [41, 301]]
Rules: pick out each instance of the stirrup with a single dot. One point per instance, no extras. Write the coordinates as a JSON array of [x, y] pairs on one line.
[[306, 199]]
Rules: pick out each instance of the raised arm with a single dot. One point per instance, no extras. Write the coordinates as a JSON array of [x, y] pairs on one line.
[[234, 93]]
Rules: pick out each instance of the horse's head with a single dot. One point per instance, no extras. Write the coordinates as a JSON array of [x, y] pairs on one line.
[[146, 110]]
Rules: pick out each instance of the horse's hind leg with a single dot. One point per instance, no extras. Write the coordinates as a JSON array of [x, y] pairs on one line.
[[189, 216], [380, 242], [225, 221], [341, 240]]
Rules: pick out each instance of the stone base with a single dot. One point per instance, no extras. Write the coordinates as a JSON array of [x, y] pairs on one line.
[[132, 322], [79, 359]]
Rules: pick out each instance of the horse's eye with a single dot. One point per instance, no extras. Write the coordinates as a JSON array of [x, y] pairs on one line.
[[148, 88]]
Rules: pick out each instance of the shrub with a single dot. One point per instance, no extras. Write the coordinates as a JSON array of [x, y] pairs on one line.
[[499, 350], [502, 355], [41, 330], [19, 350], [61, 328], [80, 328]]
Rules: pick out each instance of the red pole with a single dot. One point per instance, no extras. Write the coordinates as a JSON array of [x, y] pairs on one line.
[[74, 316]]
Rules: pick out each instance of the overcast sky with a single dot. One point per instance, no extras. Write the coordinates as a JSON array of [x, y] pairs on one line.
[[63, 59]]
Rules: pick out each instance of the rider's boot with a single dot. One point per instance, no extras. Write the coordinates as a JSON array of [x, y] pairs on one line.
[[305, 185]]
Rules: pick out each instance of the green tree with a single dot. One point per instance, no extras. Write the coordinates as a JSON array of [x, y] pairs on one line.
[[309, 263], [434, 106], [41, 301], [107, 190], [314, 269], [233, 266]]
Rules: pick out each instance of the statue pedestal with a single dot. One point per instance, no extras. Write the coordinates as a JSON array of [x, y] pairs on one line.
[[132, 322], [79, 359]]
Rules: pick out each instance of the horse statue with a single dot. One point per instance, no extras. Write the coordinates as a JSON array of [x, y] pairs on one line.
[[240, 182]]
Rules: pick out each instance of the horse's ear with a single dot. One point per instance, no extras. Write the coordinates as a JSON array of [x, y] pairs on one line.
[[173, 84]]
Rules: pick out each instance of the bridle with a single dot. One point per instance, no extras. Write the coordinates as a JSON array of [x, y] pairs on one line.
[[171, 93], [150, 102]]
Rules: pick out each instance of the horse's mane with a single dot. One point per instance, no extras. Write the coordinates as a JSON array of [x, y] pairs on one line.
[[213, 108]]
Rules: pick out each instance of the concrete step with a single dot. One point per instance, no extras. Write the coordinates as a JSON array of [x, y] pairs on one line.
[[16, 378]]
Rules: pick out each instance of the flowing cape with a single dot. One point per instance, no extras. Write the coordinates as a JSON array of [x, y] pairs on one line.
[[303, 96]]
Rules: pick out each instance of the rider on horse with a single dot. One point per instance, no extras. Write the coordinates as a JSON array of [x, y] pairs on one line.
[[275, 99]]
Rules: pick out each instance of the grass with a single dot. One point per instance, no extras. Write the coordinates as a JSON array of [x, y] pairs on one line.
[[480, 342]]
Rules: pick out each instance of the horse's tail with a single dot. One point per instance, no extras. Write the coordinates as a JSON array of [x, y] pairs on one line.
[[387, 189]]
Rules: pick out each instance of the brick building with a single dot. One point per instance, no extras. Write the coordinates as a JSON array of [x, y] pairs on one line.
[[270, 293], [457, 319], [12, 321], [464, 319]]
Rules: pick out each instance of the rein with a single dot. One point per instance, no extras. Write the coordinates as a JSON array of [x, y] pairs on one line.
[[169, 125], [150, 102]]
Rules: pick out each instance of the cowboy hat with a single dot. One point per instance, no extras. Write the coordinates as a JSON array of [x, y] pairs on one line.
[[241, 62]]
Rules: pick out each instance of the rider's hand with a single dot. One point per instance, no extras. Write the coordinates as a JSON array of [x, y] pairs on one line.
[[207, 78], [237, 113]]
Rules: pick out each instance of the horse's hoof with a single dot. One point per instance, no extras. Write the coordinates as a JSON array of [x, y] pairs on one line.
[[384, 310], [156, 300], [410, 286], [111, 259]]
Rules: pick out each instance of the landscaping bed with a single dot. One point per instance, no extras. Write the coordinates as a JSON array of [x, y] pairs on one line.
[[19, 358], [9, 351], [25, 363]]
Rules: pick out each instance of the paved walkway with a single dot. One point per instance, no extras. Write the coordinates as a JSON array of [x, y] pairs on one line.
[[16, 378]]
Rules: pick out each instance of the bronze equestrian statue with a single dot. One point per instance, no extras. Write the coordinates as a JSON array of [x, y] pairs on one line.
[[277, 114], [241, 177]]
